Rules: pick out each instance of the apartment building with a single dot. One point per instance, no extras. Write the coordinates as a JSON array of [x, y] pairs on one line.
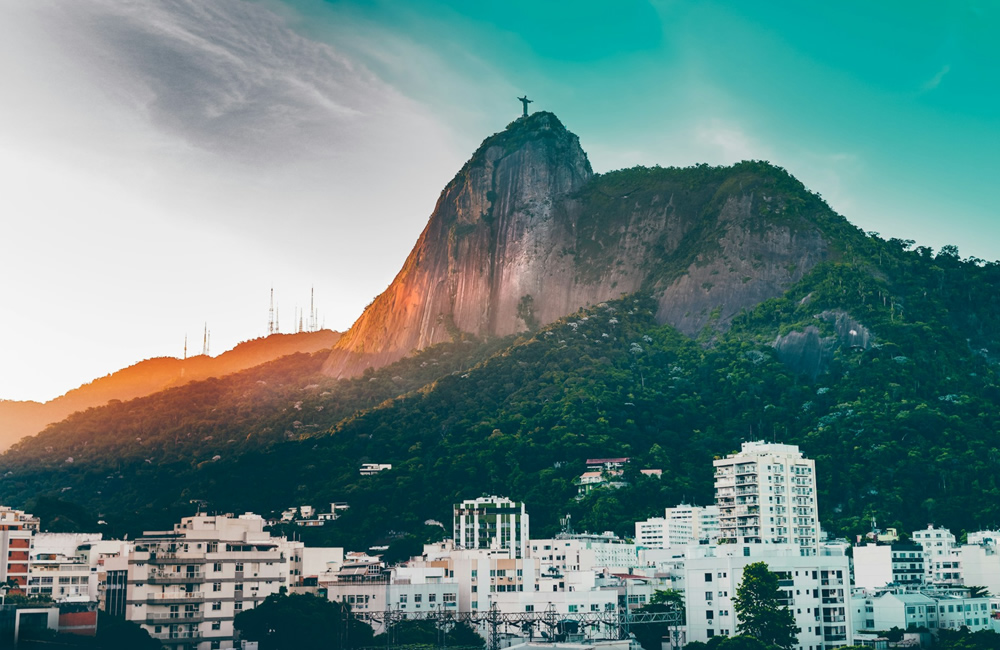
[[584, 553], [876, 566], [937, 544], [61, 569], [816, 588], [17, 528], [492, 522], [766, 494], [186, 586], [680, 526]]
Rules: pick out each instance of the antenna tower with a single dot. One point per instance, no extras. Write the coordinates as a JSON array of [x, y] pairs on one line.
[[312, 309], [270, 317], [185, 346]]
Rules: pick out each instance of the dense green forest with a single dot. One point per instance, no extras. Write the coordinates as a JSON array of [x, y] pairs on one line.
[[903, 425]]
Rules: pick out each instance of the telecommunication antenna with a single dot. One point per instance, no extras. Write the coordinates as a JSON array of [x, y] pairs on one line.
[[185, 346], [312, 309], [270, 317]]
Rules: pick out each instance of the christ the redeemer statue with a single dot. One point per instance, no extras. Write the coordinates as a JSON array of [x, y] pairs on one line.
[[524, 100]]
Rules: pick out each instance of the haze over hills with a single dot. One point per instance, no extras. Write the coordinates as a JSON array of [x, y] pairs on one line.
[[25, 418], [660, 314]]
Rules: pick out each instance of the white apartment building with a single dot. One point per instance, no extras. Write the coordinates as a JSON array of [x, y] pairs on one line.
[[411, 591], [937, 544], [815, 587], [766, 494], [680, 526], [877, 566], [885, 610], [492, 522], [61, 568], [186, 586], [584, 553]]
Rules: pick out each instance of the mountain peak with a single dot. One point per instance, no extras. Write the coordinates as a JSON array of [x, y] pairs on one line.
[[541, 133]]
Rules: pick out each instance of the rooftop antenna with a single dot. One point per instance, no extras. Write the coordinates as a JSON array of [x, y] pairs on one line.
[[270, 317]]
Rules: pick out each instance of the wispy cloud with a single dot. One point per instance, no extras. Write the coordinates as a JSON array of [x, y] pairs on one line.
[[936, 80]]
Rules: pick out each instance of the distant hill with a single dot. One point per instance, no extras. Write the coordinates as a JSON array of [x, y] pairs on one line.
[[24, 418]]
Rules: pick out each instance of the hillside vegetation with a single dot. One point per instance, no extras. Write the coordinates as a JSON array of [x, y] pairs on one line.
[[903, 425]]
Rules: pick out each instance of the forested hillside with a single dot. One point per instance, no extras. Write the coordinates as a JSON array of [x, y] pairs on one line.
[[897, 403]]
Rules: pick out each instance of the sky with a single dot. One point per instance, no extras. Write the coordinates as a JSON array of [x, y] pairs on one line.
[[165, 163]]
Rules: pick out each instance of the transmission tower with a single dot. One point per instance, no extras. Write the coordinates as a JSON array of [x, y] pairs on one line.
[[271, 324]]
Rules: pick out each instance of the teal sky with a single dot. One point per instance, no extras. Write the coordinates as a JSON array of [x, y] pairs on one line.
[[166, 164], [890, 110]]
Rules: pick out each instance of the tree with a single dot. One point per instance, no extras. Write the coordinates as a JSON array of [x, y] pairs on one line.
[[650, 635], [426, 633], [759, 610], [302, 621]]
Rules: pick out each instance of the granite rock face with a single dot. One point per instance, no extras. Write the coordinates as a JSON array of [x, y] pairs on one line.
[[526, 233]]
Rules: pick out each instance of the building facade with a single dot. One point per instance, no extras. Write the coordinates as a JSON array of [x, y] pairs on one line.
[[186, 586], [766, 494], [494, 523], [816, 588], [17, 530], [680, 526]]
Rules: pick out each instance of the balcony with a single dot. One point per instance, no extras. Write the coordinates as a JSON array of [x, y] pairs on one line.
[[172, 578], [175, 597], [154, 618], [176, 558], [832, 582], [168, 636], [835, 619]]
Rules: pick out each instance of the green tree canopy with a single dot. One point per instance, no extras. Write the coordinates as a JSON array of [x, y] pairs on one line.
[[285, 622], [759, 610]]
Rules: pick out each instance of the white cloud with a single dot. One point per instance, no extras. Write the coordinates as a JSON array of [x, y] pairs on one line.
[[167, 162]]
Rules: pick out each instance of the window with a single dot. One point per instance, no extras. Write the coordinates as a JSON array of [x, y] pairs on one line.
[[708, 595], [216, 625], [418, 598], [529, 608], [239, 586], [572, 609], [216, 607], [708, 577], [217, 567], [475, 573], [216, 586], [432, 598], [402, 597], [238, 606]]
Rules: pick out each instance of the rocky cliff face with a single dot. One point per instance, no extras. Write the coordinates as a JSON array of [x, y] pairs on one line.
[[526, 233]]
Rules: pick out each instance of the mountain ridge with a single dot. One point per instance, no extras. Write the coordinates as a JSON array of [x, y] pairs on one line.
[[23, 418]]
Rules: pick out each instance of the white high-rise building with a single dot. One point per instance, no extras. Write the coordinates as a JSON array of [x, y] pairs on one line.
[[680, 526], [492, 523], [766, 494]]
